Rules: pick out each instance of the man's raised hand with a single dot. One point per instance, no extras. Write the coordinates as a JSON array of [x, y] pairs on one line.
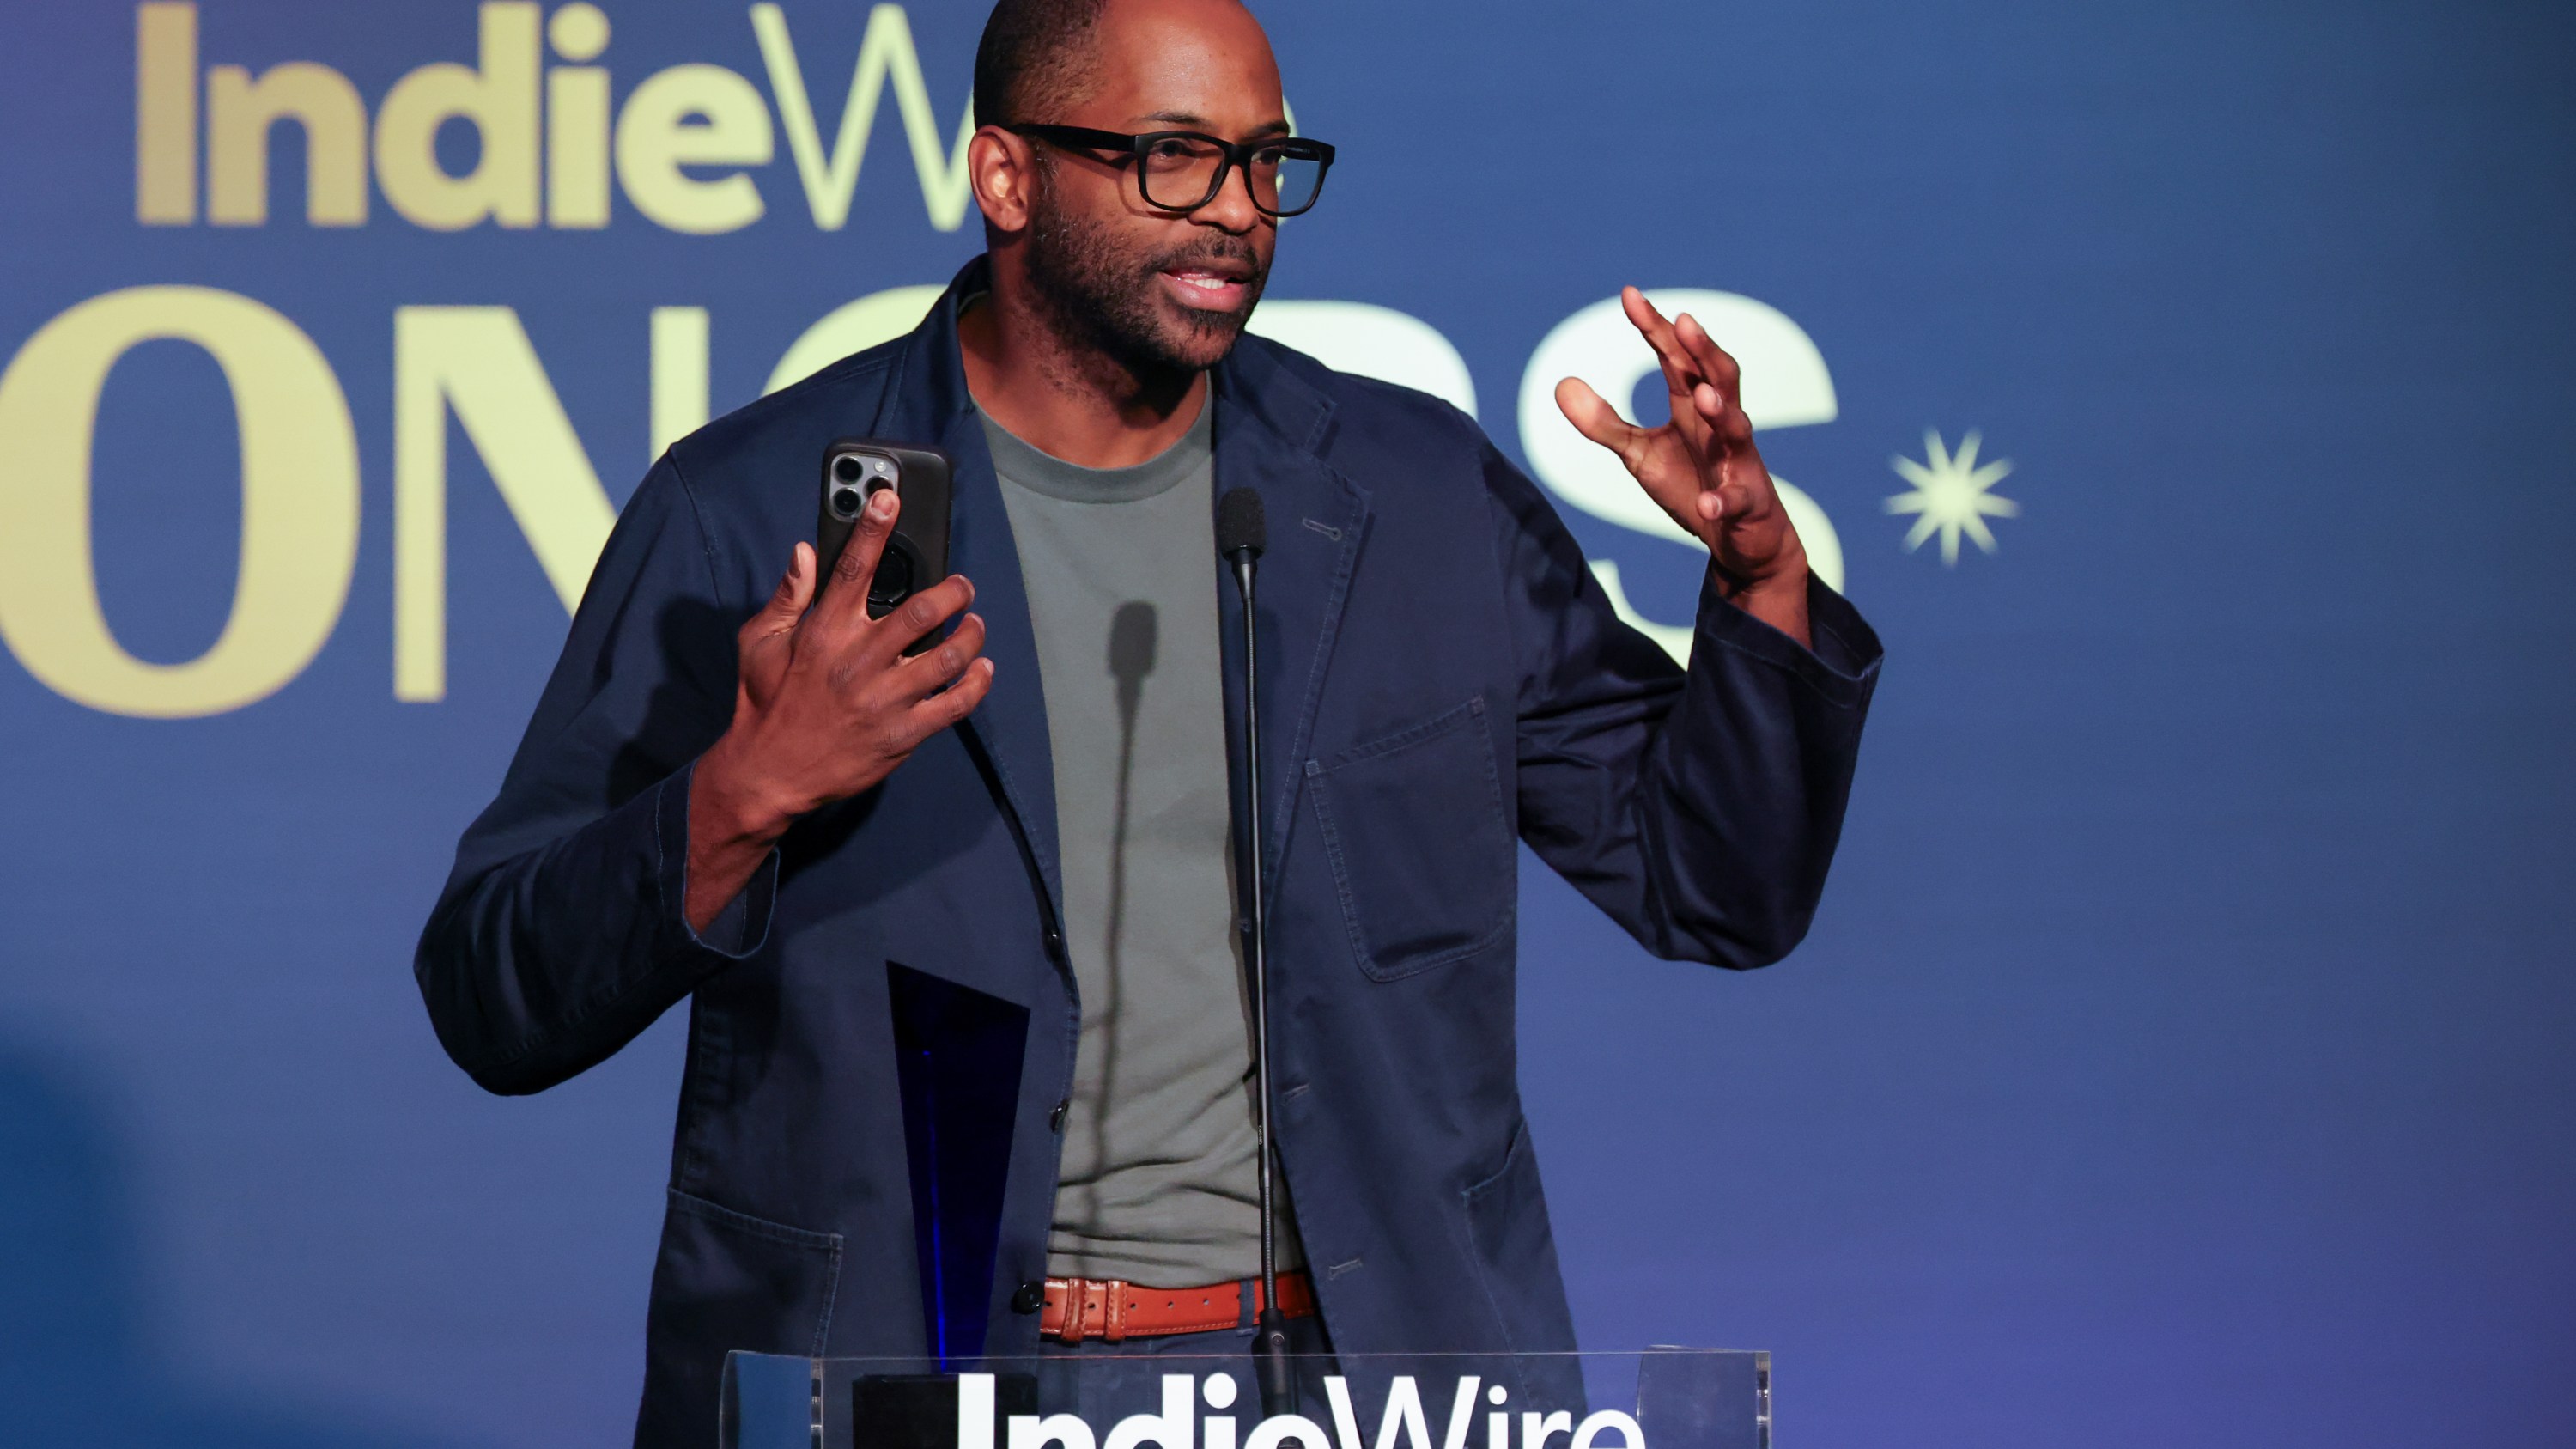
[[1702, 467], [825, 705]]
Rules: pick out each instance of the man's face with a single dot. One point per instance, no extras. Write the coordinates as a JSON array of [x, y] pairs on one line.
[[1158, 290]]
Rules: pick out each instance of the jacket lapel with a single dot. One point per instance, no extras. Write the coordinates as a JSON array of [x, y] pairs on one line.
[[1269, 427], [927, 399]]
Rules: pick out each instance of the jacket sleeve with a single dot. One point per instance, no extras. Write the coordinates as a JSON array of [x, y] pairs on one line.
[[1699, 808], [561, 934]]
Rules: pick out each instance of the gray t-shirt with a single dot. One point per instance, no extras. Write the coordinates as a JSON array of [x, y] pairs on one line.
[[1158, 1180]]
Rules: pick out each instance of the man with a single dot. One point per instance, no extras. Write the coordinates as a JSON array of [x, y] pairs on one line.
[[735, 795]]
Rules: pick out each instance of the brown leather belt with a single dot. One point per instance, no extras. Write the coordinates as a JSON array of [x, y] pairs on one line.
[[1105, 1308]]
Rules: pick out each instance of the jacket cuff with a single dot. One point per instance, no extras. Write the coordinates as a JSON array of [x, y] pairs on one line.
[[1843, 665], [742, 927]]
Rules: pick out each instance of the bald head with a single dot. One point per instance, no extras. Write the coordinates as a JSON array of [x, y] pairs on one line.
[[1037, 57], [1031, 55]]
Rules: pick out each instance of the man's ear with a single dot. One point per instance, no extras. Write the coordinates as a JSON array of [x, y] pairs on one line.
[[1002, 168]]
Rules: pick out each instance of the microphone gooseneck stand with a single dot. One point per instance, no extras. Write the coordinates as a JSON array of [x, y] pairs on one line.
[[1242, 534]]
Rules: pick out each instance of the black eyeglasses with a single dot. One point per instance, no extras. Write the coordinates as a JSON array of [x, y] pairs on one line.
[[1184, 170]]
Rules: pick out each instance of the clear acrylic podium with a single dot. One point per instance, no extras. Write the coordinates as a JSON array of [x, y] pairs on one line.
[[1661, 1398]]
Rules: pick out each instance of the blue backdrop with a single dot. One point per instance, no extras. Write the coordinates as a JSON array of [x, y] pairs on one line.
[[2182, 1053]]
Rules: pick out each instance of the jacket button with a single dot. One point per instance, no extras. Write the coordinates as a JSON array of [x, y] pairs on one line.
[[1055, 1119], [1029, 1298]]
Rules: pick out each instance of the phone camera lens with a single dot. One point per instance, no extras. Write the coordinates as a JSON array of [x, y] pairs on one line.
[[845, 503], [845, 469]]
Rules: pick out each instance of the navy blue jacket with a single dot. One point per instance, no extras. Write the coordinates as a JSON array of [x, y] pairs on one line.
[[1440, 677]]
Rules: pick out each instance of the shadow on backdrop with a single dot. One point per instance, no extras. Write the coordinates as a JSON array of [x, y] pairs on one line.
[[77, 1368]]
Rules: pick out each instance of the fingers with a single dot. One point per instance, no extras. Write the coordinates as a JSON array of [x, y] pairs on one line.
[[1642, 313], [889, 733], [1595, 418], [1711, 360], [926, 610], [1726, 421], [1717, 404], [1717, 400], [796, 586], [936, 668], [1740, 486], [848, 599], [939, 687], [957, 701], [1678, 369], [787, 602]]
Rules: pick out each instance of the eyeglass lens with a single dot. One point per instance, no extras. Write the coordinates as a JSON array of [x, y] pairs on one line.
[[1181, 175]]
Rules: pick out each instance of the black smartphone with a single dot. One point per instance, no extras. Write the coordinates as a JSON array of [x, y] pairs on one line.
[[916, 557]]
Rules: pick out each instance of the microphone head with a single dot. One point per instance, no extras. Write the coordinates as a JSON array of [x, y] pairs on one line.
[[1241, 530]]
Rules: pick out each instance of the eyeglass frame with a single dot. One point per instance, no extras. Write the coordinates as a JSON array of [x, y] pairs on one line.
[[1236, 154]]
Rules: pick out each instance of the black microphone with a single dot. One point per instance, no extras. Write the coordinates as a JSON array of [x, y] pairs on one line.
[[1242, 532]]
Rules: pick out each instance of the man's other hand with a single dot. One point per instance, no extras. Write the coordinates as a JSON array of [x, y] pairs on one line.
[[1702, 467], [826, 705]]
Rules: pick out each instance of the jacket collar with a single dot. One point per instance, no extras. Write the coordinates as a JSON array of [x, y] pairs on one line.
[[1270, 428]]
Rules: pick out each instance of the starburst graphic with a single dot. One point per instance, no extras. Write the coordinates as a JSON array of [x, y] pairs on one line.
[[1949, 495]]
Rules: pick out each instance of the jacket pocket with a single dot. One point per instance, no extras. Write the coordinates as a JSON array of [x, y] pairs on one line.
[[728, 1280], [1421, 851], [1515, 1253]]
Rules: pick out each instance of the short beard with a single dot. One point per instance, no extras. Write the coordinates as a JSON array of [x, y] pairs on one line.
[[1096, 295]]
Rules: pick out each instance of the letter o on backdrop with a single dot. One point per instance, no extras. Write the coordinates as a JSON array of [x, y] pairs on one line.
[[299, 493], [852, 327]]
